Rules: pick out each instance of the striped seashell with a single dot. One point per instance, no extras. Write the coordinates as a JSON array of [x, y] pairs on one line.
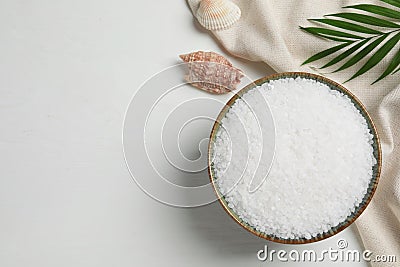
[[211, 72], [217, 14]]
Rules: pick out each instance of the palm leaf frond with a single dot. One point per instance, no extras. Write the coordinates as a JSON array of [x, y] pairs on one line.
[[395, 3], [322, 31], [390, 69], [345, 54], [378, 56], [347, 26], [396, 70], [372, 35], [325, 53], [366, 19], [378, 10], [360, 55]]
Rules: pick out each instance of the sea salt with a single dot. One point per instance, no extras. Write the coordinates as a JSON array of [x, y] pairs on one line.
[[322, 165]]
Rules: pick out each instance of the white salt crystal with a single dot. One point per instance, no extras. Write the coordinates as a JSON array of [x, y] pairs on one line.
[[323, 158]]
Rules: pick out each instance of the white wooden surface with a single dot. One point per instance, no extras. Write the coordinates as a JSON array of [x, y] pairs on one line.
[[67, 72]]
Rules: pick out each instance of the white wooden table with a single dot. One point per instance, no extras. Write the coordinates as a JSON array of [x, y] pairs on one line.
[[68, 70]]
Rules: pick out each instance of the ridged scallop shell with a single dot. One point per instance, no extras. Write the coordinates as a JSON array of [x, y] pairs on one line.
[[217, 14], [211, 72]]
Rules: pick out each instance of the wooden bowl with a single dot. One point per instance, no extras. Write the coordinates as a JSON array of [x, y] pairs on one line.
[[376, 151]]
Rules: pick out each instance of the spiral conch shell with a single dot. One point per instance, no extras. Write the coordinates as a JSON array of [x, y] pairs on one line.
[[211, 72], [217, 14]]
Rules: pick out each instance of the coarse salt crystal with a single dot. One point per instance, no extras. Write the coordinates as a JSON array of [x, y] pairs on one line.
[[322, 164]]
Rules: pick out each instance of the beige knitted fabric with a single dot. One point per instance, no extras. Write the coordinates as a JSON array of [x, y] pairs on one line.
[[269, 31]]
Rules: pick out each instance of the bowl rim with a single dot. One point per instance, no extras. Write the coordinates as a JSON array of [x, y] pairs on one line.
[[376, 150]]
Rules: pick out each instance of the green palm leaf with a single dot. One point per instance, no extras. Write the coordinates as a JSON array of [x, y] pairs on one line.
[[360, 55], [395, 3], [331, 38], [383, 11], [366, 19], [347, 26], [378, 56], [353, 38], [325, 53], [322, 31], [345, 54], [393, 64]]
